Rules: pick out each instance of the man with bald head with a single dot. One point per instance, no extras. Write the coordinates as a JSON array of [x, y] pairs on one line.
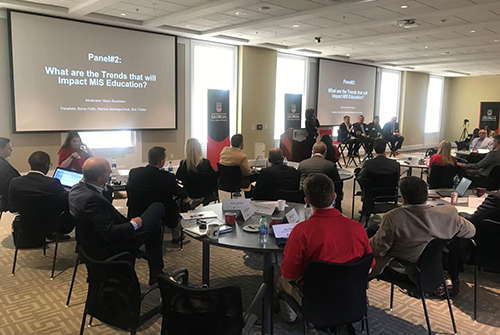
[[275, 177], [103, 231]]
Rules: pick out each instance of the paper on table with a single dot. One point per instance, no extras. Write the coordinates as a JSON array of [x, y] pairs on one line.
[[262, 208], [274, 203], [199, 215], [463, 200], [247, 210], [468, 210], [475, 202], [283, 230], [292, 216], [234, 204]]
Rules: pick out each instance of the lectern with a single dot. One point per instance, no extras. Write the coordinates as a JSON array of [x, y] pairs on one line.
[[293, 144]]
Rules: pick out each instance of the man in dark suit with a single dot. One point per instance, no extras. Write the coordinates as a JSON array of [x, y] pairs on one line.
[[489, 209], [346, 135], [362, 133], [380, 164], [318, 164], [390, 133], [162, 186], [103, 231], [36, 182], [374, 128], [7, 173], [275, 177]]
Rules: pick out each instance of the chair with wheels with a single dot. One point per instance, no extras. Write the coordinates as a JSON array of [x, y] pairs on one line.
[[229, 178], [202, 185], [205, 311], [492, 182], [429, 275], [333, 294], [441, 176]]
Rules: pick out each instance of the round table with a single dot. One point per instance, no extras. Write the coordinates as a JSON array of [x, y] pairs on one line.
[[241, 240]]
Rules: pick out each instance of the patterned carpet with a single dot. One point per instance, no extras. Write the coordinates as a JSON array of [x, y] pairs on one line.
[[31, 303]]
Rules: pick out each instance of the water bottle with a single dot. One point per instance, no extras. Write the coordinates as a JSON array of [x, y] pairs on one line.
[[113, 164], [170, 167], [285, 161], [263, 230], [114, 171], [456, 181], [410, 159]]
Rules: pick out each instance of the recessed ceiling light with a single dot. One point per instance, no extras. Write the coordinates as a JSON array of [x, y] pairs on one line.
[[472, 31], [264, 8], [123, 14], [496, 41], [241, 13], [347, 55], [295, 25], [188, 26], [426, 47], [404, 6]]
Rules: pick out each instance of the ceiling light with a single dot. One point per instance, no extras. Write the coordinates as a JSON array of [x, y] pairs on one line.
[[188, 26], [264, 8], [295, 25], [496, 41], [241, 13], [472, 31], [123, 14], [426, 47], [404, 6], [347, 55]]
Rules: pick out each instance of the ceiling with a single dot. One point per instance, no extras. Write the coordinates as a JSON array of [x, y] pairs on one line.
[[452, 38]]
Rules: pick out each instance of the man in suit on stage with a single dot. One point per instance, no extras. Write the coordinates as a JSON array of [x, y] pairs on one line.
[[391, 134], [362, 133], [346, 135], [275, 177], [7, 173]]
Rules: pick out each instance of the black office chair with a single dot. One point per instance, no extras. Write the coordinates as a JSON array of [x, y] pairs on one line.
[[39, 217], [290, 196], [205, 311], [429, 275], [441, 176], [229, 178], [492, 182], [199, 185], [333, 294], [114, 295]]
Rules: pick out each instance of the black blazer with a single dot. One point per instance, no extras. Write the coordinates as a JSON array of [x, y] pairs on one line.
[[317, 164], [381, 165], [99, 223], [387, 130], [344, 132], [311, 127], [275, 177], [36, 183], [489, 209], [7, 173], [375, 129], [359, 127], [204, 167]]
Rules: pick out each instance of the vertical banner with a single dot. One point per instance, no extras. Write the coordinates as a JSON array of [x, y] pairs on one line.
[[489, 115], [293, 110], [218, 124]]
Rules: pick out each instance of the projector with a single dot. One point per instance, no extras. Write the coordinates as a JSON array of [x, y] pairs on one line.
[[407, 23]]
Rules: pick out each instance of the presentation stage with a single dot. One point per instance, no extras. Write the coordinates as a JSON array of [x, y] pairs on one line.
[[345, 89], [70, 75]]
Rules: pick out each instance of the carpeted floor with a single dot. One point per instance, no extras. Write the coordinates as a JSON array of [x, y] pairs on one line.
[[30, 303]]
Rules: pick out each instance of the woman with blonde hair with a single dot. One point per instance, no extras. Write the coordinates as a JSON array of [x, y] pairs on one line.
[[194, 161], [443, 156]]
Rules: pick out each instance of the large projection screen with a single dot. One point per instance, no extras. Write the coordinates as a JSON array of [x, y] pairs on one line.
[[71, 75], [345, 89]]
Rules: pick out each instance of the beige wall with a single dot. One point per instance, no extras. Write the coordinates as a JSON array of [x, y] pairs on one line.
[[413, 103], [256, 98], [464, 99]]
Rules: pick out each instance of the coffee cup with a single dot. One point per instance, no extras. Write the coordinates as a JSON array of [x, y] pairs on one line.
[[281, 205], [213, 230], [230, 218]]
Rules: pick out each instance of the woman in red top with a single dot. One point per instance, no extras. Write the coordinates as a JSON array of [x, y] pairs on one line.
[[73, 153], [443, 157]]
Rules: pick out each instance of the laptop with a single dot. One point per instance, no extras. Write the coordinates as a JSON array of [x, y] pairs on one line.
[[67, 178], [462, 187]]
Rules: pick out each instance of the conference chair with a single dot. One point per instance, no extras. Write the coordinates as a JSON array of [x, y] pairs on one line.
[[205, 311], [492, 182], [40, 216], [229, 178], [333, 294], [429, 275], [341, 146], [441, 176], [202, 185], [290, 196]]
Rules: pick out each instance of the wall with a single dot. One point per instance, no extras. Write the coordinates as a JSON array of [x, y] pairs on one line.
[[464, 98], [413, 103], [256, 96]]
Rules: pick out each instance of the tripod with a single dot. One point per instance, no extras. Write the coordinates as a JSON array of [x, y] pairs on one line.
[[465, 132]]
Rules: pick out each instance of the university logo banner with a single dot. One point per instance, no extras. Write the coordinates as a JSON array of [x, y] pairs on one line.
[[293, 110], [489, 115], [218, 124]]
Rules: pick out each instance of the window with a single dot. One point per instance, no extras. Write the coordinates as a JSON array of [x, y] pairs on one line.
[[108, 139], [390, 91], [214, 67], [290, 78], [434, 104]]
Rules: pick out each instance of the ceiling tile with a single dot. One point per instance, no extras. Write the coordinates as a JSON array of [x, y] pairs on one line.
[[296, 4], [446, 4], [414, 8], [378, 13], [273, 9], [479, 16]]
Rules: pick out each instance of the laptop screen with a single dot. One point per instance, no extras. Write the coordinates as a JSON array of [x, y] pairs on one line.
[[67, 178], [463, 186]]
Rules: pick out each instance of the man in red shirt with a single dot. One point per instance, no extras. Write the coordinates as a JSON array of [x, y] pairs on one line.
[[327, 235]]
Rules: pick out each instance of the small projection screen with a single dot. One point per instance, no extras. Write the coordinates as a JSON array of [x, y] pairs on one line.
[[71, 75], [345, 89]]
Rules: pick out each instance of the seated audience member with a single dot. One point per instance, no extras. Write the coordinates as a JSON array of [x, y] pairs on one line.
[[380, 164], [484, 166], [152, 178], [234, 156], [7, 173], [194, 161], [489, 209], [73, 153], [375, 131], [489, 132], [391, 134], [36, 182], [332, 153], [327, 235], [482, 142], [404, 232], [346, 135], [318, 164], [103, 230], [275, 177], [362, 133], [443, 156]]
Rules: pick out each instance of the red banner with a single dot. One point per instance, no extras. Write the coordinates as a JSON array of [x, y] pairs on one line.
[[218, 124]]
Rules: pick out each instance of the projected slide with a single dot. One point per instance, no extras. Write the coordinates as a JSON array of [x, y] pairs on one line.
[[70, 75], [345, 89]]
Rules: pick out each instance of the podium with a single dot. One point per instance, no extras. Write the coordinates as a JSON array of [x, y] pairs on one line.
[[293, 144]]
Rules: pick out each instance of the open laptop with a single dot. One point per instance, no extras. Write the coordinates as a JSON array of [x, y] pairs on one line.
[[462, 187], [67, 178]]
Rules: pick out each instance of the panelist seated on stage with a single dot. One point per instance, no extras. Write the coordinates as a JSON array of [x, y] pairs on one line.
[[103, 231], [443, 156], [486, 165], [391, 134], [234, 156], [374, 128], [346, 135], [362, 133], [482, 142], [7, 173], [275, 177], [327, 236], [36, 182]]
